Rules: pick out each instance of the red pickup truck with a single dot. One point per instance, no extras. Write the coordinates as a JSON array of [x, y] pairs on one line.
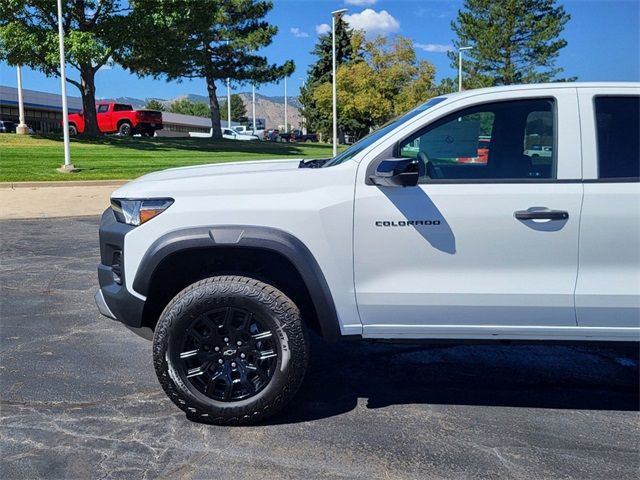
[[119, 118]]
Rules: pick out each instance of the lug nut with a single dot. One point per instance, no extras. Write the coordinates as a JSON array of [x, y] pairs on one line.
[[226, 339], [242, 355], [233, 364], [217, 349], [239, 343], [221, 361]]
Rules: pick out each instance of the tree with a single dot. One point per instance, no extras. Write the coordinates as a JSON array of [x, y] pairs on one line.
[[187, 107], [210, 39], [385, 80], [320, 72], [447, 85], [514, 41], [93, 32], [153, 104], [238, 109]]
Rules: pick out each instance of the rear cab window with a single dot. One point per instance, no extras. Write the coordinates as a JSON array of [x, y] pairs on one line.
[[617, 120]]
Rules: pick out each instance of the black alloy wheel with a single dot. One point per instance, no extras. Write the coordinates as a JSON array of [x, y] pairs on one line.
[[228, 354]]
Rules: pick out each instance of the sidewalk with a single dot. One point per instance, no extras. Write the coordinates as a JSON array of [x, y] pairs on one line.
[[21, 200]]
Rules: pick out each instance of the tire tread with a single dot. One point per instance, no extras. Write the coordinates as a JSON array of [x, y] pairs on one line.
[[286, 314]]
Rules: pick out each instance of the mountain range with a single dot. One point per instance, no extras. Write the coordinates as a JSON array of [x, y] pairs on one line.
[[271, 109]]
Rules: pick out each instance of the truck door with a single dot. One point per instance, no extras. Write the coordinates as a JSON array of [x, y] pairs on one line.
[[104, 123], [487, 243], [608, 290]]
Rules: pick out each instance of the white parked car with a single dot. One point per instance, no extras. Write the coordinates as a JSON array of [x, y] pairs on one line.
[[399, 237], [227, 133], [231, 134], [539, 151]]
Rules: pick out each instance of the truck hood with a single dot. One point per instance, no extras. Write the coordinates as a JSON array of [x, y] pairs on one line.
[[221, 178], [199, 171]]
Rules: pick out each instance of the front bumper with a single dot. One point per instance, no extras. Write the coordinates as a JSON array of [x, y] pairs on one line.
[[113, 299], [103, 308]]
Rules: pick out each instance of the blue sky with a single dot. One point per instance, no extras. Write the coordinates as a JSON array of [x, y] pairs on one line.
[[603, 43]]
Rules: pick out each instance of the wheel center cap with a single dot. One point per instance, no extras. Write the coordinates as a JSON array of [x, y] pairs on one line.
[[228, 353]]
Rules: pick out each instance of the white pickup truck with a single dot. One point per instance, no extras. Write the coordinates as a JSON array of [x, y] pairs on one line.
[[249, 131], [437, 226]]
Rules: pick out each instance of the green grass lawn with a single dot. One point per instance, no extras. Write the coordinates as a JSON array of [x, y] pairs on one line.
[[33, 158]]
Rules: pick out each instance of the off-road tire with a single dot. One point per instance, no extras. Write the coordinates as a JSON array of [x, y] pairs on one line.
[[282, 318], [73, 130]]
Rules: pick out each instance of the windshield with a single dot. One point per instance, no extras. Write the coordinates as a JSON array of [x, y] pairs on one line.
[[373, 137]]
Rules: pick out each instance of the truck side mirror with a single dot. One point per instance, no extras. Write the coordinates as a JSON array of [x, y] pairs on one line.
[[397, 172]]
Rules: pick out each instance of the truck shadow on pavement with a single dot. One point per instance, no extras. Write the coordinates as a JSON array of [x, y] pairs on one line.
[[583, 377]]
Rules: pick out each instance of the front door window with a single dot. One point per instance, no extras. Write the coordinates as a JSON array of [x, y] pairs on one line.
[[502, 140]]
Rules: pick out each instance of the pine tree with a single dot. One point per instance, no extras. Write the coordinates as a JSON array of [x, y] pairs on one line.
[[238, 109], [514, 41], [210, 39], [320, 72], [153, 104]]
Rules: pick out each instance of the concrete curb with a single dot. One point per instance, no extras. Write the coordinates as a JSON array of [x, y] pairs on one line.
[[64, 183]]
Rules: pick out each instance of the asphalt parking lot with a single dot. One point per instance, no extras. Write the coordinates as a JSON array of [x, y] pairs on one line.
[[79, 398]]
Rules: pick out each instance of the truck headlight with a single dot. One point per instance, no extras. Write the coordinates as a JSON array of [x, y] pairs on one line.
[[137, 212]]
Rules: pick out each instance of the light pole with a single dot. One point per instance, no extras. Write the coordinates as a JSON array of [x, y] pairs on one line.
[[335, 15], [303, 127], [253, 106], [68, 166], [228, 103], [22, 128], [460, 50], [286, 124]]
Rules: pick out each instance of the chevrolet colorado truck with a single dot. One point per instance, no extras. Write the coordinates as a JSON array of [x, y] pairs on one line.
[[227, 267], [119, 118]]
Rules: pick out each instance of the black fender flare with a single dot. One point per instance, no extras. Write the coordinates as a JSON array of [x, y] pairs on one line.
[[254, 237]]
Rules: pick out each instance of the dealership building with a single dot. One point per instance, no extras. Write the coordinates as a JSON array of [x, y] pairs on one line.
[[43, 113]]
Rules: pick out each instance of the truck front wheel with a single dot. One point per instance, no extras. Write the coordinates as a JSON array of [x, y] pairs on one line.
[[230, 350], [73, 131], [125, 129]]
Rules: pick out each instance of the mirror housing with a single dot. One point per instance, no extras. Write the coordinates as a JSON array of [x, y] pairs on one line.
[[397, 172]]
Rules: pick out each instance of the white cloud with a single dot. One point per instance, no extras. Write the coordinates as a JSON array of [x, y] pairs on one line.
[[373, 22], [298, 33], [433, 47], [323, 28], [360, 3]]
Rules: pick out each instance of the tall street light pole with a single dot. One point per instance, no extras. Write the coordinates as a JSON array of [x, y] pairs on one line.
[[228, 103], [22, 128], [460, 50], [68, 166], [303, 127], [253, 106], [286, 121], [335, 15]]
